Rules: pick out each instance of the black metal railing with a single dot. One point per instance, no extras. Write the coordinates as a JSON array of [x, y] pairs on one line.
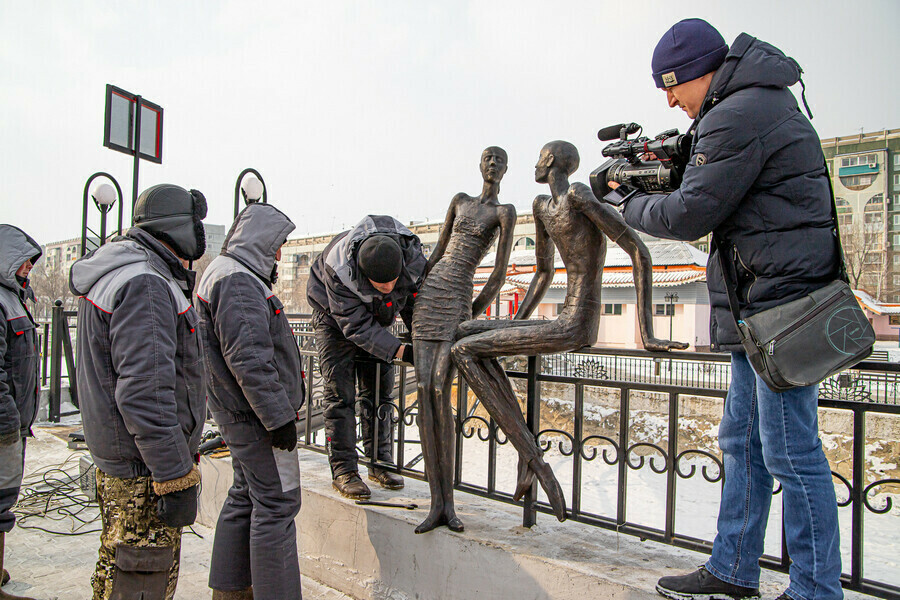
[[61, 348], [865, 397], [627, 378]]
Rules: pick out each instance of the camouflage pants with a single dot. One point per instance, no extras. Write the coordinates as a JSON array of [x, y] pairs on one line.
[[128, 510]]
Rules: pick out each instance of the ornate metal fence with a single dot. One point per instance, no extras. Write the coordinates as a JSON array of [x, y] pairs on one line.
[[628, 380]]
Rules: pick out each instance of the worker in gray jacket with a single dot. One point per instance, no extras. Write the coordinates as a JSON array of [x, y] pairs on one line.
[[255, 390], [359, 284], [140, 382], [18, 371]]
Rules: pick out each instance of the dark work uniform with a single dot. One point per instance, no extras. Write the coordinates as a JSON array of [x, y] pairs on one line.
[[18, 366], [255, 386], [351, 321]]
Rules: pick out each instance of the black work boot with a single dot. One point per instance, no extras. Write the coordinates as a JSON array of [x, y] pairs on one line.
[[386, 479], [351, 486], [702, 585]]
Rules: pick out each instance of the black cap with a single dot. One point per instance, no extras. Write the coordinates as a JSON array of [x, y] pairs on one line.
[[380, 259]]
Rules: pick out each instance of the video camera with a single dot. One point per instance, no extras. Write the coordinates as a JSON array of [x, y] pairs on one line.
[[625, 167]]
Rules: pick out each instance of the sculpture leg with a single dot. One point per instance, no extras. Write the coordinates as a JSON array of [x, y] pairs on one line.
[[446, 427], [474, 355], [437, 448]]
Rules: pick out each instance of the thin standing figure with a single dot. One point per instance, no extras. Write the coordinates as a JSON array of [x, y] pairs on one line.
[[444, 301], [573, 220]]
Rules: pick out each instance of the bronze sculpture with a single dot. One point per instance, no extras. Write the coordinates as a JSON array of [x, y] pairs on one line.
[[577, 223], [443, 302]]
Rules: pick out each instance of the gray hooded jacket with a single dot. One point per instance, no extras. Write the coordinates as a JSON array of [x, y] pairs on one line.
[[140, 373], [18, 339], [347, 299], [252, 361]]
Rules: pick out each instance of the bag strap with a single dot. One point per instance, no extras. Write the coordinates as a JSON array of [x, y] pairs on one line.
[[730, 276]]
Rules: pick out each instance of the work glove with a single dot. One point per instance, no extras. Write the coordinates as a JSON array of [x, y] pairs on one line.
[[178, 509], [407, 356], [285, 437]]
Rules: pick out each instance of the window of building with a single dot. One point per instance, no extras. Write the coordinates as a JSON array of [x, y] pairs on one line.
[[873, 217], [861, 159], [897, 240], [856, 182], [897, 259], [845, 222], [525, 243], [896, 279], [664, 310], [896, 219], [897, 181], [842, 205], [897, 159], [612, 309], [875, 203]]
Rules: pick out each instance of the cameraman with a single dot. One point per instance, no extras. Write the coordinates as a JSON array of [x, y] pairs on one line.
[[757, 180]]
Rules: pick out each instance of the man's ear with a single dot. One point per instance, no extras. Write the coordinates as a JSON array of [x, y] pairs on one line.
[[550, 159]]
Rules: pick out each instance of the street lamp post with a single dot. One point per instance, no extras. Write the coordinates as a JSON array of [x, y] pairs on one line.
[[670, 300], [104, 197], [253, 189]]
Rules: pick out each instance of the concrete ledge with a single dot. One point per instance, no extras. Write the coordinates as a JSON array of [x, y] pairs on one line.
[[373, 553]]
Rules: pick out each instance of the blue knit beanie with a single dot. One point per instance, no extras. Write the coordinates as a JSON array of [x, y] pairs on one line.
[[689, 49]]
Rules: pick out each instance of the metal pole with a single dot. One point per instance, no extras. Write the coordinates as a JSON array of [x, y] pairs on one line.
[[533, 420], [102, 225], [137, 152]]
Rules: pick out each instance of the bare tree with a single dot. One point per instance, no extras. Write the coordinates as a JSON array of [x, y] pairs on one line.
[[865, 259], [50, 283]]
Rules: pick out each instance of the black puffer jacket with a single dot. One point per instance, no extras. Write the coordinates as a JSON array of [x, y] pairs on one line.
[[252, 360], [140, 371], [18, 340], [344, 295], [757, 180]]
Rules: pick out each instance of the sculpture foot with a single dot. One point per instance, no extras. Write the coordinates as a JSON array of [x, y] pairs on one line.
[[536, 467], [453, 523]]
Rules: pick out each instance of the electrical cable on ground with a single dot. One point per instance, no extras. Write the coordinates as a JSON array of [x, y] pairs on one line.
[[53, 493]]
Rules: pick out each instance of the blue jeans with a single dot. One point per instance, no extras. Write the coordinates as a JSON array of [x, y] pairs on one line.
[[765, 434]]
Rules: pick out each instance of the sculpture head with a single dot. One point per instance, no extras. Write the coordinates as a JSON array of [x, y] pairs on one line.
[[556, 155], [493, 164]]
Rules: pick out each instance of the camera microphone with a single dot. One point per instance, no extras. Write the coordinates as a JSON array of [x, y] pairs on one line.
[[615, 132]]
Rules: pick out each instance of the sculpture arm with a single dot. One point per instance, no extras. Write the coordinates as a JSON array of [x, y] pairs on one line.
[[610, 222], [444, 238], [504, 248], [544, 251]]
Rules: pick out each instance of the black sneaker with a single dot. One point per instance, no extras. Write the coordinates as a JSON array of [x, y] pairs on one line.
[[784, 596], [702, 585]]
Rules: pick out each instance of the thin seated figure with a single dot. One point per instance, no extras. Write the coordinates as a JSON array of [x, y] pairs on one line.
[[443, 302], [578, 224]]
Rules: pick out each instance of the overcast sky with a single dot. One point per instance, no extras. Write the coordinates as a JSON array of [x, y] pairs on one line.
[[352, 107]]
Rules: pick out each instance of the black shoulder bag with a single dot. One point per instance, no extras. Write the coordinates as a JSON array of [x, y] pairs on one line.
[[805, 341]]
